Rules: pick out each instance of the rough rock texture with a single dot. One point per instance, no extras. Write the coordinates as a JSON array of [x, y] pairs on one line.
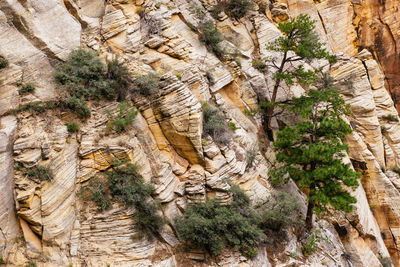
[[8, 222], [52, 224]]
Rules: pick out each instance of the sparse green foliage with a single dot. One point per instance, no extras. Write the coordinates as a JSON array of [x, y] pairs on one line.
[[212, 226], [299, 36], [149, 84], [396, 170], [282, 211], [214, 124], [178, 74], [72, 127], [123, 119], [211, 37], [310, 244], [96, 191], [41, 173], [84, 76], [232, 125], [251, 156], [77, 105], [237, 9], [2, 260], [26, 88], [391, 118], [3, 62], [311, 151], [259, 65], [124, 184]]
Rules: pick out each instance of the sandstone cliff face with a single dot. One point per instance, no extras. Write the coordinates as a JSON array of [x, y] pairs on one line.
[[48, 222]]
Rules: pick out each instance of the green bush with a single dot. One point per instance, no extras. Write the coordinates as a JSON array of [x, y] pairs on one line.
[[3, 62], [232, 125], [127, 186], [78, 105], [148, 85], [26, 88], [41, 173], [2, 261], [390, 117], [259, 65], [283, 210], [212, 226], [310, 245], [211, 37], [84, 76], [123, 119], [237, 9], [96, 191], [72, 127], [214, 124], [36, 107]]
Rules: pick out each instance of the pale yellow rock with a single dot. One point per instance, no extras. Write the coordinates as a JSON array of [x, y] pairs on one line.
[[32, 241]]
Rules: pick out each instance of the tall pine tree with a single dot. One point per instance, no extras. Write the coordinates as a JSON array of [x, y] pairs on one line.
[[311, 151], [298, 42]]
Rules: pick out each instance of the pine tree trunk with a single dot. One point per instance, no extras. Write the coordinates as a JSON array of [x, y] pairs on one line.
[[309, 215]]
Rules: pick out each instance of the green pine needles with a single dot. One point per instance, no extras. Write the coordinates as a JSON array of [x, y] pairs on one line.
[[298, 42], [311, 151]]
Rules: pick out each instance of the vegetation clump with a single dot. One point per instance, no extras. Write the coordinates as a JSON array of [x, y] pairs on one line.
[[212, 226], [214, 124], [41, 173], [26, 88], [282, 211], [235, 9], [84, 76], [125, 185], [391, 118], [123, 119], [3, 62], [149, 84], [311, 151], [211, 37], [72, 127], [310, 245], [259, 65]]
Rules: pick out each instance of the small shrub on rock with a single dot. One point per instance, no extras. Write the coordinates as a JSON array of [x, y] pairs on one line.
[[26, 88], [390, 118], [259, 65], [72, 127], [211, 37], [148, 85], [212, 226], [124, 184], [78, 105], [42, 173], [123, 119], [3, 62], [282, 211], [214, 124], [237, 9], [84, 76]]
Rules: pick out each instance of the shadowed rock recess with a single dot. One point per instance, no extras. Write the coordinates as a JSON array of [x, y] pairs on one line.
[[53, 223]]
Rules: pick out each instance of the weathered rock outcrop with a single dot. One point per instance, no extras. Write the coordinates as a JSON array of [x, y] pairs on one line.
[[60, 227]]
